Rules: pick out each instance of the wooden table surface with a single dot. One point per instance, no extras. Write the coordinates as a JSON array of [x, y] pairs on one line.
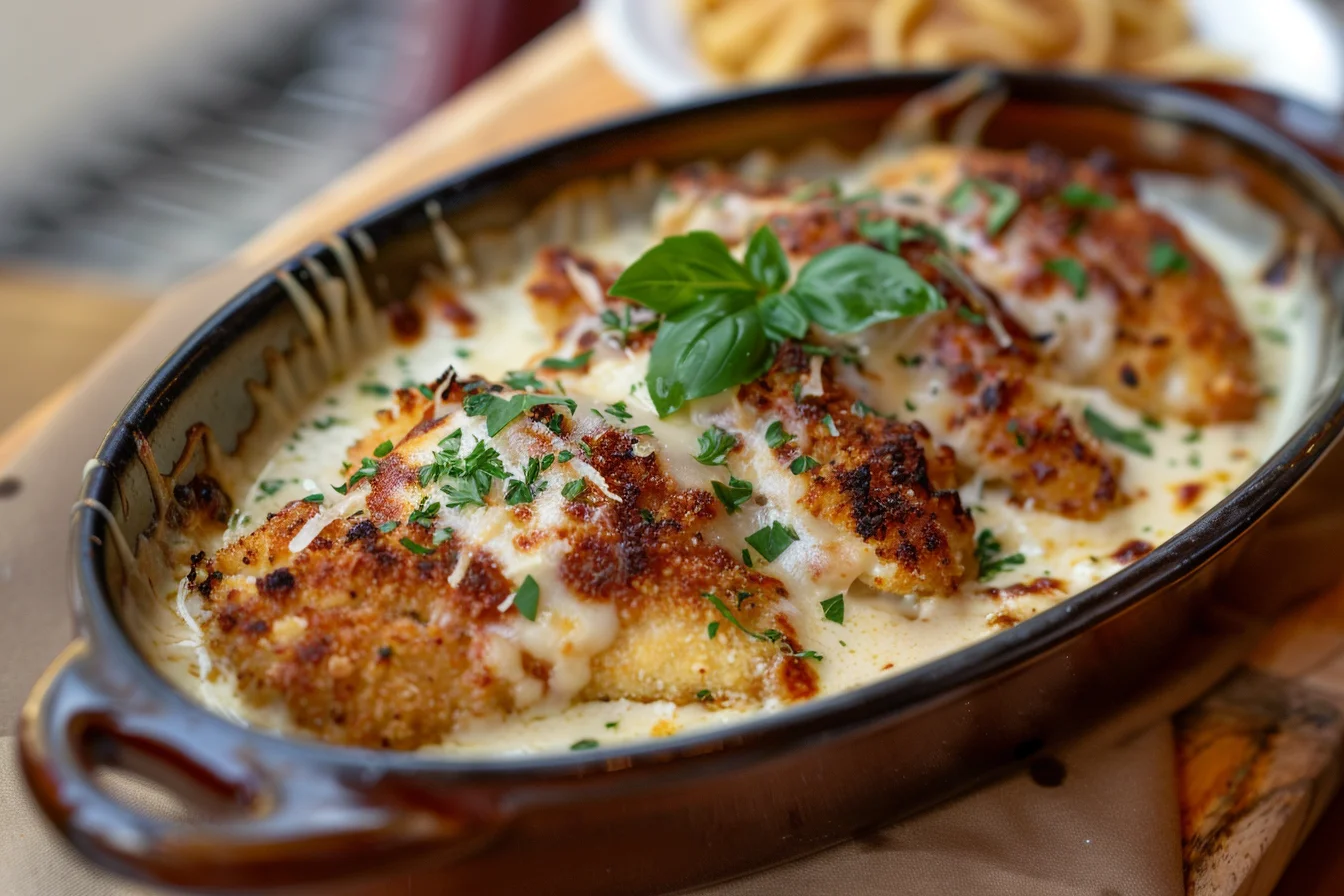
[[52, 325]]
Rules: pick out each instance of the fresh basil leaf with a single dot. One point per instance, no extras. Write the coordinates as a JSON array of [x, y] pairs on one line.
[[772, 540], [783, 316], [1133, 439], [1072, 272], [714, 445], [833, 608], [733, 495], [500, 412], [683, 270], [850, 287], [573, 488], [766, 261], [706, 348]]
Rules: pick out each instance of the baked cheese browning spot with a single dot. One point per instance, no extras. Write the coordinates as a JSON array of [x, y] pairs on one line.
[[364, 642], [556, 301], [882, 480], [1035, 448], [1178, 346], [656, 569], [1006, 431]]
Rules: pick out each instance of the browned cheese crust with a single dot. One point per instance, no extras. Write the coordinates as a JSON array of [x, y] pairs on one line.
[[368, 643]]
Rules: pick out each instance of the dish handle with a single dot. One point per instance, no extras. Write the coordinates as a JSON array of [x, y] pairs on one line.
[[276, 819]]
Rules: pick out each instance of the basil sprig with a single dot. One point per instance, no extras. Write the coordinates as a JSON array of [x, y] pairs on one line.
[[723, 318]]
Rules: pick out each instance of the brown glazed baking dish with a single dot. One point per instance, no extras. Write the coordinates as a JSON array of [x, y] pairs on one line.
[[270, 811]]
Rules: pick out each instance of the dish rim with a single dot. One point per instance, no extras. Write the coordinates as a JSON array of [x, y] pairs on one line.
[[831, 716]]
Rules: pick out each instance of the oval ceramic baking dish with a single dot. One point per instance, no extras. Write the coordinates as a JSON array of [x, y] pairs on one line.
[[658, 815]]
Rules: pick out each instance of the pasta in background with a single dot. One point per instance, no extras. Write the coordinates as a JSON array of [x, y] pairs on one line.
[[759, 40]]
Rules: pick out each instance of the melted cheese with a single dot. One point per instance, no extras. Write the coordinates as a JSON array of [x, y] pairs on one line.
[[882, 633]]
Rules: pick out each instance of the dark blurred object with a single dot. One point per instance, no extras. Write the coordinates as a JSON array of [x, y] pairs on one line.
[[150, 203], [474, 35]]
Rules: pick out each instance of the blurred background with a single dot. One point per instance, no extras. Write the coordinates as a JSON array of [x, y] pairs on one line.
[[143, 140]]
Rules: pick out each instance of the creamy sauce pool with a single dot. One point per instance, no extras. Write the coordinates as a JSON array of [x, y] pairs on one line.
[[1189, 471]]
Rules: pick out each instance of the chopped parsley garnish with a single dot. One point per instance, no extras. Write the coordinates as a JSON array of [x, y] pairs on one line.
[[713, 629], [988, 552], [1078, 195], [910, 406], [618, 410], [829, 423], [775, 436], [527, 598], [646, 515], [714, 445], [368, 468], [1193, 436], [1072, 272], [384, 449], [1164, 258], [571, 364], [1151, 422], [746, 559], [424, 513], [270, 486], [585, 448], [573, 488], [377, 389], [833, 608], [426, 391], [801, 464], [772, 635], [522, 380], [442, 535], [772, 540], [863, 409], [313, 499], [704, 695], [324, 423], [910, 360], [415, 547], [733, 495], [1274, 334], [586, 744], [500, 412], [1003, 201], [522, 491], [387, 526], [1133, 439], [642, 430], [612, 724]]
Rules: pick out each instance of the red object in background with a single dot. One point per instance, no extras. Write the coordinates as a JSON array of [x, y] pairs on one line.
[[468, 38]]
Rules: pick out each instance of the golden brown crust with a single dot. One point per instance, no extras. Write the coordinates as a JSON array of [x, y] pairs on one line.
[[882, 480], [1174, 327], [366, 641]]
